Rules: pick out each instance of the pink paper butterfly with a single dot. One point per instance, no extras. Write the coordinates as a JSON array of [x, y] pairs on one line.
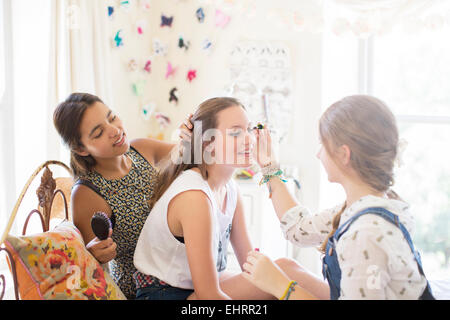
[[192, 74], [222, 19], [170, 70], [148, 66]]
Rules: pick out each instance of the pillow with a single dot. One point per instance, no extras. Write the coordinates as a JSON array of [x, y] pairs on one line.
[[56, 265]]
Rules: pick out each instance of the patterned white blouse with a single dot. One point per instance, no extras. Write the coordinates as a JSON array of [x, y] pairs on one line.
[[375, 259]]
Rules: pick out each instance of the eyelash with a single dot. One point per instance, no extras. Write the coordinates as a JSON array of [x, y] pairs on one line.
[[101, 132], [239, 132]]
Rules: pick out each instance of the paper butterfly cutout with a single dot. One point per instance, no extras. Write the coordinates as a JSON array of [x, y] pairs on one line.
[[145, 4], [192, 74], [166, 21], [125, 5], [170, 70], [200, 14], [163, 120], [173, 96], [118, 40], [148, 66], [138, 88], [222, 19], [148, 110], [141, 25], [183, 44], [159, 48], [132, 65], [110, 11], [207, 46]]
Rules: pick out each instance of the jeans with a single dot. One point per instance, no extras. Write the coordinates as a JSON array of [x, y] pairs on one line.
[[158, 292]]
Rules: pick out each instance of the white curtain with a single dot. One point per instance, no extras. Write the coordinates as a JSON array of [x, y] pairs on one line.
[[7, 182], [48, 49], [80, 56]]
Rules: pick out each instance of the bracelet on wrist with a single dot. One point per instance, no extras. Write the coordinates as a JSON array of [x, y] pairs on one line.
[[270, 167], [277, 174], [289, 290]]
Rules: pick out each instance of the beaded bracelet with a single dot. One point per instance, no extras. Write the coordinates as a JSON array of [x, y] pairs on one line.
[[266, 178], [289, 290]]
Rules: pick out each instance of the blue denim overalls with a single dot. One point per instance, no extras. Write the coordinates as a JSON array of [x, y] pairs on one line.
[[331, 270]]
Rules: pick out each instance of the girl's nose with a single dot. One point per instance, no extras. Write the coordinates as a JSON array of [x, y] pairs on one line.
[[114, 131], [318, 152], [250, 138]]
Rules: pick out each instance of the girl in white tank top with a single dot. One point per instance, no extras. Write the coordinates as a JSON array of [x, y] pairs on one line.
[[182, 249]]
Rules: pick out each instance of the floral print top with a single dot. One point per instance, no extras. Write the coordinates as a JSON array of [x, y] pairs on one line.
[[375, 259]]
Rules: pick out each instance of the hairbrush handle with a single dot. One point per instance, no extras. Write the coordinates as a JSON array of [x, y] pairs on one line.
[[101, 224]]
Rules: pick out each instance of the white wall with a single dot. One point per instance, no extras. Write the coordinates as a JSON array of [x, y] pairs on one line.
[[306, 53]]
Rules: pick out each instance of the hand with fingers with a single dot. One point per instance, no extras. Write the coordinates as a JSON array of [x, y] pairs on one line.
[[262, 272], [185, 134], [185, 129], [264, 151], [103, 250]]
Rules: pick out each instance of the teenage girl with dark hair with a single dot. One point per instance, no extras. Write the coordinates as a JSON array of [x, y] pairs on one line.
[[113, 175]]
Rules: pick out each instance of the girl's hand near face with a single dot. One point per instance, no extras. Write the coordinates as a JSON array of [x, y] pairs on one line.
[[265, 274], [104, 251], [186, 128], [263, 153]]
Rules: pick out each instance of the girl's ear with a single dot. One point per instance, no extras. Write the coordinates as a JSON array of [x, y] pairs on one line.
[[81, 152], [210, 147], [345, 154]]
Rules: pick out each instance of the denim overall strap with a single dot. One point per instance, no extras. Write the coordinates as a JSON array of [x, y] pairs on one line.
[[331, 269]]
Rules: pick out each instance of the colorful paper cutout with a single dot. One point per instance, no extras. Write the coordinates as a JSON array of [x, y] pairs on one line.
[[192, 74], [170, 70], [148, 66], [125, 5], [145, 4], [148, 110], [183, 43], [200, 14], [110, 11], [207, 45], [159, 48], [139, 87], [132, 65], [222, 19], [173, 95], [141, 25], [118, 40], [163, 120], [166, 21]]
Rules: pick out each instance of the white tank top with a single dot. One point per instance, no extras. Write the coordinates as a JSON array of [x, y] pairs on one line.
[[160, 254]]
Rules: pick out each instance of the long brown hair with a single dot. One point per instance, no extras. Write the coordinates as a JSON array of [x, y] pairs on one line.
[[367, 126], [67, 120], [170, 168]]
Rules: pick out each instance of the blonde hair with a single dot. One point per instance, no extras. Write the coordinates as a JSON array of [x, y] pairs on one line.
[[206, 113], [367, 126]]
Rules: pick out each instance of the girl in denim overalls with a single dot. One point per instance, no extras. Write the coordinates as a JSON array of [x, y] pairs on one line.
[[366, 242]]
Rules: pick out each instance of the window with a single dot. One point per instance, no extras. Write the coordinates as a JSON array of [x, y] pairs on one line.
[[340, 74], [411, 74]]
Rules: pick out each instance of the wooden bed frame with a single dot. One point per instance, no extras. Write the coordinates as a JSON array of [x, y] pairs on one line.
[[49, 206]]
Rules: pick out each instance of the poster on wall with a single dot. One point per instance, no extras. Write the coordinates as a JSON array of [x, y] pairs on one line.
[[261, 78]]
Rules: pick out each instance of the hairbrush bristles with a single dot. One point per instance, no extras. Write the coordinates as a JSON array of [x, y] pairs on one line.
[[101, 224]]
